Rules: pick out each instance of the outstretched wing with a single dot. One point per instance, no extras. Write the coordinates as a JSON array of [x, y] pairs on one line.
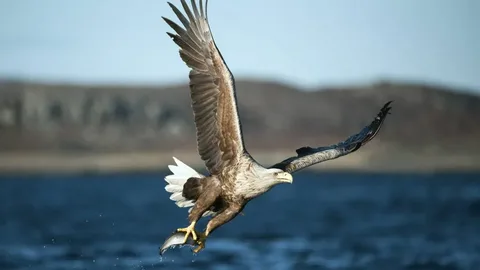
[[308, 156], [212, 89]]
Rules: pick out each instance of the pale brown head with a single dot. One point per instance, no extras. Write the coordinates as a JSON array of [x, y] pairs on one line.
[[277, 176]]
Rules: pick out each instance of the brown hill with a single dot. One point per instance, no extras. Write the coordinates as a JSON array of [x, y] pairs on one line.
[[85, 119]]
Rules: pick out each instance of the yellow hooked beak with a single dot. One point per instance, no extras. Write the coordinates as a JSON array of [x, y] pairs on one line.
[[285, 177]]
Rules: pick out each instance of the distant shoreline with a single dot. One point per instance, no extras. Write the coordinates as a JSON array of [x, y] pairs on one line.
[[362, 161]]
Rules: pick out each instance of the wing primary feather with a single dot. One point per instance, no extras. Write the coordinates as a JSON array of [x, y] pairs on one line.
[[177, 28], [186, 47], [195, 11], [199, 16], [191, 34], [201, 9], [179, 15], [193, 22], [184, 34], [189, 15], [206, 10]]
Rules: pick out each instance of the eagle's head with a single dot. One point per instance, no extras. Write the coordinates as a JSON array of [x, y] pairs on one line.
[[263, 181], [277, 176]]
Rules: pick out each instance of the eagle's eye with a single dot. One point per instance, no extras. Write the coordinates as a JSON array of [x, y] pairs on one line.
[[275, 174]]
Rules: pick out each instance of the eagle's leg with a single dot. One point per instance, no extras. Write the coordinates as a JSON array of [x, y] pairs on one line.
[[202, 204], [223, 217]]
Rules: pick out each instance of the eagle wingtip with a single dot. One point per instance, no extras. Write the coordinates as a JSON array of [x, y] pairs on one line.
[[386, 109]]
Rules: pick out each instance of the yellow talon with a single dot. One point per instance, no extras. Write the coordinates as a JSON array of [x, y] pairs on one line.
[[189, 230], [200, 242], [200, 247]]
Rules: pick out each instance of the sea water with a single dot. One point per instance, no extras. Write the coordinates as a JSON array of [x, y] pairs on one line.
[[322, 221]]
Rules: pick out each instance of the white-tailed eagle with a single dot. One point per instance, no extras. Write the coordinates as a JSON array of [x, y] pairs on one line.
[[234, 177]]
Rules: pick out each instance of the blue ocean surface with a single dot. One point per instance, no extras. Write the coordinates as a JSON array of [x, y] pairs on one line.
[[322, 221]]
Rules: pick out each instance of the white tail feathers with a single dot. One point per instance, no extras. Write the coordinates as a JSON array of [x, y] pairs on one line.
[[181, 173]]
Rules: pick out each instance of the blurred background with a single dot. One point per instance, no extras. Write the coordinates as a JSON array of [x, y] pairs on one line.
[[95, 91]]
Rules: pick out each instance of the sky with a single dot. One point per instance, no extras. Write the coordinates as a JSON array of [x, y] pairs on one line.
[[307, 43]]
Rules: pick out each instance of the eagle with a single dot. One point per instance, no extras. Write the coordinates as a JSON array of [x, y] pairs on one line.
[[234, 176]]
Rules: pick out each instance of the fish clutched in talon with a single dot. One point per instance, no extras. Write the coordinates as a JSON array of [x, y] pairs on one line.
[[180, 238]]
